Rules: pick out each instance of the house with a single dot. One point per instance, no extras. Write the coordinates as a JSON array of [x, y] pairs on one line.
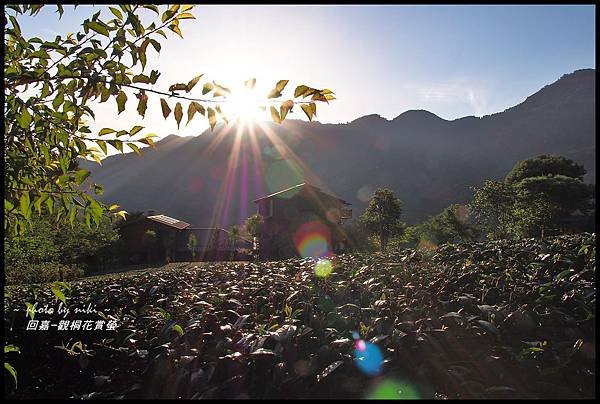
[[160, 238], [302, 221]]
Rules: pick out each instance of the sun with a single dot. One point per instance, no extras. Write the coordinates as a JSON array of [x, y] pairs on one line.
[[244, 105]]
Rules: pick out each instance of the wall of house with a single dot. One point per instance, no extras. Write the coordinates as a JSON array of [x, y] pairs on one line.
[[279, 239]]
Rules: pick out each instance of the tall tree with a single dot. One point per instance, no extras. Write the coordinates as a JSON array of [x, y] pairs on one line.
[[545, 192], [492, 208], [191, 245], [382, 216], [234, 236], [253, 224], [49, 88]]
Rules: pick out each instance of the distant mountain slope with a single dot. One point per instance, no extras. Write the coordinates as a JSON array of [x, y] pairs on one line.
[[428, 161]]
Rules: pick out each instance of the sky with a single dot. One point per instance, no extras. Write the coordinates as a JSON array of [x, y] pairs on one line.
[[453, 61]]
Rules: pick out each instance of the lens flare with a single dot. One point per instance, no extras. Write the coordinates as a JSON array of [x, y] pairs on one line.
[[323, 268], [283, 174], [313, 239], [368, 357], [389, 389]]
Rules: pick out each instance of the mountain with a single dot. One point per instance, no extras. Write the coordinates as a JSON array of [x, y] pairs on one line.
[[428, 161]]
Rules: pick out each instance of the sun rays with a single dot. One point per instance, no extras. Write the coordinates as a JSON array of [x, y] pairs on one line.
[[255, 150]]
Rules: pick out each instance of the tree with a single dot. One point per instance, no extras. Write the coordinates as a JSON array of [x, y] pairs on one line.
[[50, 245], [382, 216], [546, 192], [492, 208], [253, 224], [448, 226], [545, 165], [49, 88], [253, 227], [234, 236], [191, 245]]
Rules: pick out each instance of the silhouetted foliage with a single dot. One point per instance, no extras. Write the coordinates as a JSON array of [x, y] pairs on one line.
[[51, 245], [451, 225], [543, 193], [382, 216]]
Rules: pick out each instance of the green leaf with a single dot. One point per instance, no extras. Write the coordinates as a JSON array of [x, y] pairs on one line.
[[207, 88], [98, 27], [167, 15], [191, 111], [177, 328], [307, 110], [12, 371], [285, 108], [186, 16], [134, 147], [15, 25], [56, 289], [117, 144], [178, 87], [212, 118], [141, 78], [192, 83], [81, 175], [58, 100], [25, 118], [175, 29], [102, 145], [121, 100], [30, 310], [178, 113], [24, 203], [275, 115], [142, 105], [165, 108], [281, 85], [300, 90], [11, 348], [155, 44], [274, 94], [152, 7], [116, 12], [72, 215], [106, 131], [135, 130], [98, 189]]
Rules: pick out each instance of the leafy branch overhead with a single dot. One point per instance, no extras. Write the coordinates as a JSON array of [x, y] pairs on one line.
[[50, 84]]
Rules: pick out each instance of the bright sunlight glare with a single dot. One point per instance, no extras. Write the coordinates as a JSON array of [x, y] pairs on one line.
[[244, 105]]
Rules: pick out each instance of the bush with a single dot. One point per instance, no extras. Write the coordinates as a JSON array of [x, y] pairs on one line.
[[41, 273]]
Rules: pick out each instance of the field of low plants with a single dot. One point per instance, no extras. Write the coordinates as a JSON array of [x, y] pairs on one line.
[[489, 320]]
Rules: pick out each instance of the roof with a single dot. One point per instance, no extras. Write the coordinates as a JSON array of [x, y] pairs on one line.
[[304, 184], [169, 221]]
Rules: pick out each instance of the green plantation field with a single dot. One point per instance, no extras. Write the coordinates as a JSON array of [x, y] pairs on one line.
[[494, 319]]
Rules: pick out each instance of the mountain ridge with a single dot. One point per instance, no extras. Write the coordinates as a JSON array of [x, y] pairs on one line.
[[430, 162]]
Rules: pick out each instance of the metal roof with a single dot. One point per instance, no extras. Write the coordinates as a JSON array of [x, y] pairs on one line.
[[300, 186], [169, 221]]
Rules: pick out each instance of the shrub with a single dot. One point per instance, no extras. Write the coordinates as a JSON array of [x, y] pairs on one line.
[[41, 273]]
